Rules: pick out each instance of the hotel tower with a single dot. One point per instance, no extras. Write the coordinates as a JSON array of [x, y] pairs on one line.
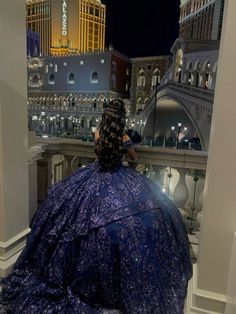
[[201, 19], [67, 26]]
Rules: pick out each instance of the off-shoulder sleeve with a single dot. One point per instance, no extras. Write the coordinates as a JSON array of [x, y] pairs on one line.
[[128, 144]]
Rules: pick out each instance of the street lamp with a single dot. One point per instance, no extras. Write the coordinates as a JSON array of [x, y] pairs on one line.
[[178, 131]]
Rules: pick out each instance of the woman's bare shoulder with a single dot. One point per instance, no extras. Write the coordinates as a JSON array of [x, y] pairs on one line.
[[126, 138]]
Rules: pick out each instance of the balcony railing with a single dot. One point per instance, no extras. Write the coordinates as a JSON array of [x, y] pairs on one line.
[[180, 173]]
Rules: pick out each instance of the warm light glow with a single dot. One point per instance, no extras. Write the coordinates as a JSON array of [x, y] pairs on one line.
[[64, 18], [62, 31]]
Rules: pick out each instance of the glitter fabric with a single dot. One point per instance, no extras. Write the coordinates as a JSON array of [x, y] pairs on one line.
[[102, 243]]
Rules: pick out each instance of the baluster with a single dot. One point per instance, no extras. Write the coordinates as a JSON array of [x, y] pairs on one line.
[[181, 193]]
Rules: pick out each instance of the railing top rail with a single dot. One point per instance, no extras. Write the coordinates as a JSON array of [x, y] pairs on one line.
[[189, 159]]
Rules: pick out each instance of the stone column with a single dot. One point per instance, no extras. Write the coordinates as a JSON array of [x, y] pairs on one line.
[[35, 154], [14, 212], [218, 222]]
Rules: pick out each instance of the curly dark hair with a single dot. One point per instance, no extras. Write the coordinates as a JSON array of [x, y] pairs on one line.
[[109, 145]]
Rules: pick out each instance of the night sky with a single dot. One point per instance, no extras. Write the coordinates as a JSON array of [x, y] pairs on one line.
[[148, 31]]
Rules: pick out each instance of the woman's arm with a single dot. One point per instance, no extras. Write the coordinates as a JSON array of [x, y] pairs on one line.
[[131, 154], [130, 150], [96, 135]]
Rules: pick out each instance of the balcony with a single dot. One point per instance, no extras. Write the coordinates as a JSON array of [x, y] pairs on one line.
[[180, 173]]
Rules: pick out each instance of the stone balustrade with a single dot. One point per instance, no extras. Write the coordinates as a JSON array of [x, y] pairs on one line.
[[175, 170]]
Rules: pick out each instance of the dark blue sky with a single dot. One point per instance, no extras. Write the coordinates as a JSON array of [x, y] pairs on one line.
[[142, 30]]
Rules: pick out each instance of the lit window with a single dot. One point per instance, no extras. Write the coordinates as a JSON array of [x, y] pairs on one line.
[[51, 79], [141, 79], [55, 67], [65, 64], [94, 77], [35, 81], [156, 77], [81, 62], [102, 61], [71, 78]]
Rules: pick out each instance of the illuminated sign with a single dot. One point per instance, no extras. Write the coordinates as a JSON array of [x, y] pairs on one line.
[[64, 18]]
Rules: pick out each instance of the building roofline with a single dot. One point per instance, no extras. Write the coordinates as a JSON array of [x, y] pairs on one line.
[[151, 58]]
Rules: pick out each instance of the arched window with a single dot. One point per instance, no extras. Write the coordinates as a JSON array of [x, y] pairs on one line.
[[178, 65], [92, 122], [51, 79], [71, 78], [197, 73], [35, 81], [207, 70], [140, 104], [189, 73], [156, 77], [94, 77], [141, 80]]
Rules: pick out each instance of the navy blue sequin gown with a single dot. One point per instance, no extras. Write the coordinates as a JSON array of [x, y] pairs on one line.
[[103, 242]]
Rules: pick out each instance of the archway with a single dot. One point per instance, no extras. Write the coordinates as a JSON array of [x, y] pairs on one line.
[[206, 77], [178, 65], [170, 112], [197, 74], [189, 78]]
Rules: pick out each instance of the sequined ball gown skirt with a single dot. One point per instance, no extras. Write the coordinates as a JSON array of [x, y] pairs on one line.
[[103, 242]]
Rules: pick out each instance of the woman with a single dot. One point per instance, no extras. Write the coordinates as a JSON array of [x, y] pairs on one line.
[[105, 241]]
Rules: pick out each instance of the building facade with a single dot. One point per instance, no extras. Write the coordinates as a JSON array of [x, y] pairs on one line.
[[201, 19], [74, 90], [33, 44], [146, 75], [38, 19], [68, 26]]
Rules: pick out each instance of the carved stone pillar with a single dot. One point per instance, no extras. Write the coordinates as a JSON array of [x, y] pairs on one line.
[[67, 169], [181, 193], [157, 175]]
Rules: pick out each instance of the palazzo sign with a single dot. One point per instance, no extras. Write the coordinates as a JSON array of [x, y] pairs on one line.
[[64, 18]]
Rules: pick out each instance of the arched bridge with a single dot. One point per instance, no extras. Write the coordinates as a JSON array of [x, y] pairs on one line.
[[196, 102]]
